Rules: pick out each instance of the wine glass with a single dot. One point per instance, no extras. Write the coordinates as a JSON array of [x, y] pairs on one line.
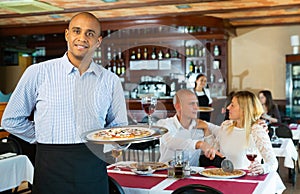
[[251, 154], [149, 106], [116, 152], [274, 138]]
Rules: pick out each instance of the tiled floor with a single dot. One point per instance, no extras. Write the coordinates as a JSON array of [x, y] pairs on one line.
[[290, 189]]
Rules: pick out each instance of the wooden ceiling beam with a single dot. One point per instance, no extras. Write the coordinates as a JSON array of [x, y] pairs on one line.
[[179, 20]]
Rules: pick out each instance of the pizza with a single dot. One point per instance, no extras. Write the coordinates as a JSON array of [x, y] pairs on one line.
[[153, 165], [122, 133], [218, 172]]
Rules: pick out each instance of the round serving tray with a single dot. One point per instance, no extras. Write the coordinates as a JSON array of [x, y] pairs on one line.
[[157, 133], [205, 109]]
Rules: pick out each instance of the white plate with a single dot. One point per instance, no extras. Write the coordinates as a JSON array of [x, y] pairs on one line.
[[153, 165], [196, 169], [149, 172], [155, 133], [222, 176]]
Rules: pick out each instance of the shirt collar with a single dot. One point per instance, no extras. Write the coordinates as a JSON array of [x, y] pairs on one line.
[[180, 127], [69, 67]]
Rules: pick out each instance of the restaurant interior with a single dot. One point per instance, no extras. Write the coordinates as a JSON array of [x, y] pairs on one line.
[[159, 47]]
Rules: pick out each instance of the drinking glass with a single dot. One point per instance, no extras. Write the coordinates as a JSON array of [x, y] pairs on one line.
[[251, 154], [149, 106], [116, 152], [274, 137]]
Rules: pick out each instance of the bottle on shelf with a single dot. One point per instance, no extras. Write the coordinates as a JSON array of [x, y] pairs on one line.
[[192, 51], [187, 51], [109, 53], [118, 69], [123, 68], [168, 55], [175, 54], [191, 67], [114, 67], [138, 55], [120, 54], [145, 53], [153, 54], [200, 54], [216, 50], [160, 54], [133, 56]]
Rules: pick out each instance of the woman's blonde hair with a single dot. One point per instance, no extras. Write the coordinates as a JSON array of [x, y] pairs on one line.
[[251, 109]]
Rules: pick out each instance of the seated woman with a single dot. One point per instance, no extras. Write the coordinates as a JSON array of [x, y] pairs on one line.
[[242, 131], [271, 112]]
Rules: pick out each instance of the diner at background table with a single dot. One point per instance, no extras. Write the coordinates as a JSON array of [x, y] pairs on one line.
[[271, 111], [234, 136], [183, 131], [69, 95]]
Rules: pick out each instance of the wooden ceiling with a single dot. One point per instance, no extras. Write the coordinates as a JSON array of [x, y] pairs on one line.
[[235, 13]]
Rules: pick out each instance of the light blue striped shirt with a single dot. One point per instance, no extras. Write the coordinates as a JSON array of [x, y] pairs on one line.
[[65, 104]]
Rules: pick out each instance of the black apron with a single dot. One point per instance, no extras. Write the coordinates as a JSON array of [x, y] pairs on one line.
[[203, 101], [68, 169]]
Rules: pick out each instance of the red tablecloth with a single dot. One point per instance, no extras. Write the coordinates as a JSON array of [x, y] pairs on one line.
[[144, 182], [227, 187]]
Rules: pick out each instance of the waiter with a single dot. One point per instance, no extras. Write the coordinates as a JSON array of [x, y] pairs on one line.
[[69, 96], [203, 95]]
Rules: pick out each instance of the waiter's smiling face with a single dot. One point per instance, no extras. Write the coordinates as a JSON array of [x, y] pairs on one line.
[[201, 81]]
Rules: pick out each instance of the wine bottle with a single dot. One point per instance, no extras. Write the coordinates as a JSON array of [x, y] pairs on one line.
[[160, 55], [145, 54], [133, 57], [167, 55], [153, 55], [108, 53], [187, 51], [138, 55], [216, 50], [191, 67]]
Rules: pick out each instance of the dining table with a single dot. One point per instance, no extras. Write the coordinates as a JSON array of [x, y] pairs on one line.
[[14, 169], [159, 183], [288, 152]]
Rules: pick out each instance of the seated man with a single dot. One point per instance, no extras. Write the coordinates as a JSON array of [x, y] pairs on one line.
[[183, 132]]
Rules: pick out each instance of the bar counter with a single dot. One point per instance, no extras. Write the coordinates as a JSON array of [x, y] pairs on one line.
[[164, 109]]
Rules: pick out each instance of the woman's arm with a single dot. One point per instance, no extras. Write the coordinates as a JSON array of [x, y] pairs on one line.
[[264, 146]]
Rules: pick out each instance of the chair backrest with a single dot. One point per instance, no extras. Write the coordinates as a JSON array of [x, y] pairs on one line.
[[282, 131], [114, 186], [196, 188], [142, 152], [216, 116], [9, 144]]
